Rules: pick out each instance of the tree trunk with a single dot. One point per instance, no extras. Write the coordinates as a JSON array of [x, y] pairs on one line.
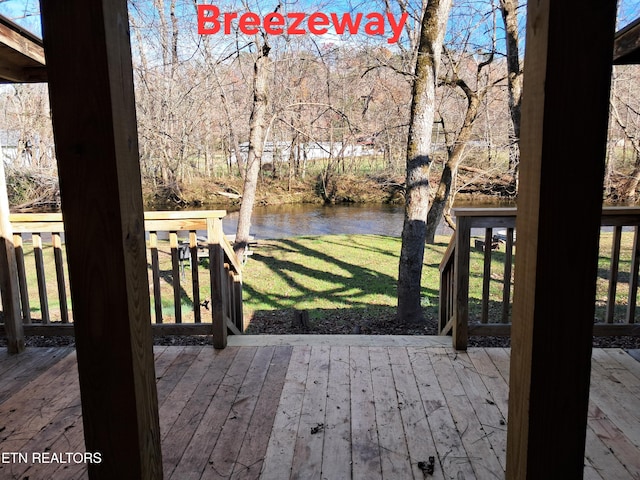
[[257, 127], [419, 160], [509, 9], [454, 155]]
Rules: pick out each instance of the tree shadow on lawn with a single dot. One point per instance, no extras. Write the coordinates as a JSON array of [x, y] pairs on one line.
[[341, 289], [339, 321]]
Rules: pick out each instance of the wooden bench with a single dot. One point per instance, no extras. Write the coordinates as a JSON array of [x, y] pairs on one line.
[[184, 250]]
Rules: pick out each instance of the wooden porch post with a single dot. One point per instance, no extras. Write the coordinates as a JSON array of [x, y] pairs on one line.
[[564, 128], [88, 54], [9, 287]]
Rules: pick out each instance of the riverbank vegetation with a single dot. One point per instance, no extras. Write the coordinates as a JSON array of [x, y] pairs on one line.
[[337, 117]]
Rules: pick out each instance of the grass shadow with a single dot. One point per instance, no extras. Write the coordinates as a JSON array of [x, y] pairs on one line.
[[330, 276]]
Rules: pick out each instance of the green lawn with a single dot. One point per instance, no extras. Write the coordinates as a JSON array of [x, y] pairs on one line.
[[334, 275], [327, 275]]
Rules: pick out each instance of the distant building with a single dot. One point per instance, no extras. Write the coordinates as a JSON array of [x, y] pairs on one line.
[[9, 140], [14, 150], [281, 151]]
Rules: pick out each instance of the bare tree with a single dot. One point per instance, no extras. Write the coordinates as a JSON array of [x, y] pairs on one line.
[[457, 146], [509, 9], [257, 127], [419, 159], [627, 190]]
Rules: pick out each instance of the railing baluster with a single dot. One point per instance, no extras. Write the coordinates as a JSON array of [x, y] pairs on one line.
[[452, 299], [22, 278], [42, 282], [229, 289], [216, 272], [195, 279], [237, 302], [226, 298], [446, 297], [633, 277], [506, 287], [486, 278], [613, 274], [59, 262], [461, 285], [616, 217], [155, 273], [175, 269]]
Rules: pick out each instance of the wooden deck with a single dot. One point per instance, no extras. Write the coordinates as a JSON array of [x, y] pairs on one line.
[[319, 407]]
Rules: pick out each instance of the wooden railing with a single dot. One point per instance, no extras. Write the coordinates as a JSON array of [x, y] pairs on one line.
[[488, 257], [175, 240]]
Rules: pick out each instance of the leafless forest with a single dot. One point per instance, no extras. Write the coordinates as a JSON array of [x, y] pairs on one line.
[[333, 107]]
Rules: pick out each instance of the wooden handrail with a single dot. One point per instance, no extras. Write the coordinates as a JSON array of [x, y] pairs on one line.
[[153, 221], [226, 304], [455, 271]]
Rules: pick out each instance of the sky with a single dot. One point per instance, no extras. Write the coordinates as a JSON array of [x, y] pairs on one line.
[[26, 13]]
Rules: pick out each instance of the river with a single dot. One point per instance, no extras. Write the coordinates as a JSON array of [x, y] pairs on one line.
[[282, 221]]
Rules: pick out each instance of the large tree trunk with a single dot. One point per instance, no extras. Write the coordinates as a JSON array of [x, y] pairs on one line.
[[257, 126], [454, 155], [509, 9], [419, 160]]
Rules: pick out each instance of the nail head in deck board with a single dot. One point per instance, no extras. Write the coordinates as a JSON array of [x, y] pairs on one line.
[[307, 458], [31, 409], [598, 454], [365, 448], [252, 453], [206, 435], [552, 318], [394, 459], [420, 444], [606, 443], [494, 382], [90, 76], [483, 405], [222, 461], [623, 449], [177, 438], [474, 438], [336, 458], [279, 456], [175, 371], [455, 460], [183, 389], [16, 371]]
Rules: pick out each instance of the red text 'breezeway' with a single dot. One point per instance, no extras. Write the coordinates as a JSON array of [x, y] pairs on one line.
[[212, 21]]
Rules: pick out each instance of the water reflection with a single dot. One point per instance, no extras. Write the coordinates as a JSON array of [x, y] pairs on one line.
[[283, 221]]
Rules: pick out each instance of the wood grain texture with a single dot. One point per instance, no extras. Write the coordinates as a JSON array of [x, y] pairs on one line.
[[552, 317], [9, 276], [246, 412], [93, 111]]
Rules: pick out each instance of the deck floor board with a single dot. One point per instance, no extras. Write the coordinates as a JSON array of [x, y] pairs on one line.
[[316, 411]]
